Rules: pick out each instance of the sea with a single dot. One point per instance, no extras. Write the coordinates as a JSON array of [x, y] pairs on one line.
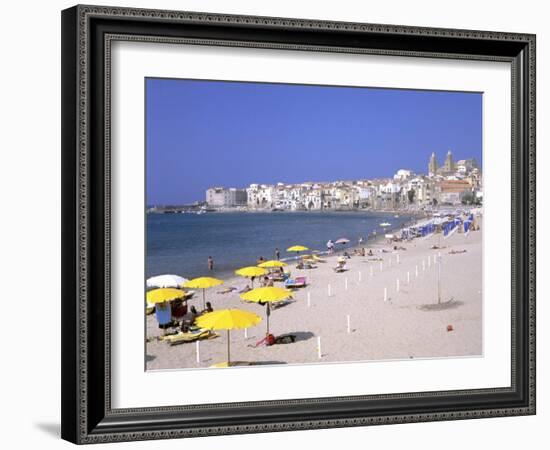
[[181, 243]]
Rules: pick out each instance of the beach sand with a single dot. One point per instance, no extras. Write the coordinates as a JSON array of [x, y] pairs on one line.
[[410, 324]]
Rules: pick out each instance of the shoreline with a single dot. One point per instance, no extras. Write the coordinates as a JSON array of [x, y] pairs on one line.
[[191, 210], [228, 267]]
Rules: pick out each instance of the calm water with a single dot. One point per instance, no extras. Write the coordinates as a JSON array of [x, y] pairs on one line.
[[181, 243]]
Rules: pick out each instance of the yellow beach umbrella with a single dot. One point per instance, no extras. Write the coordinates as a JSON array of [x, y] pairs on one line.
[[251, 272], [267, 295], [297, 248], [164, 295], [272, 263], [202, 283], [228, 319]]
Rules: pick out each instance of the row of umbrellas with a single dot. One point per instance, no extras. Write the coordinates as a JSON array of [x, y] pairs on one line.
[[170, 287], [227, 319], [262, 295]]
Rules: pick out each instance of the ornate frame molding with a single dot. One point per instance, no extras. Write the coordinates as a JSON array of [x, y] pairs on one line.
[[80, 424]]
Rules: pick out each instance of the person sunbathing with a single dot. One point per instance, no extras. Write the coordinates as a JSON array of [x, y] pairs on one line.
[[340, 267], [208, 308], [268, 340], [454, 252], [227, 290], [245, 289]]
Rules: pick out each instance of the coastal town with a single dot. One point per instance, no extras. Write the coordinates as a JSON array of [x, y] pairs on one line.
[[449, 184]]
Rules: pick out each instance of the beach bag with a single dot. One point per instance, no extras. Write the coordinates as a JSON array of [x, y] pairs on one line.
[[286, 339]]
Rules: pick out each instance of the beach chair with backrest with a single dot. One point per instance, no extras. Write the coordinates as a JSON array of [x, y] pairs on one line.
[[297, 282], [190, 336]]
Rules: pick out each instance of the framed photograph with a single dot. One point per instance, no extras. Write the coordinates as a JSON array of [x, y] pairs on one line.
[[280, 224]]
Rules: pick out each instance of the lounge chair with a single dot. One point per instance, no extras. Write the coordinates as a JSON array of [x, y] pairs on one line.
[[278, 276], [191, 336], [227, 290], [340, 268], [297, 282], [305, 265]]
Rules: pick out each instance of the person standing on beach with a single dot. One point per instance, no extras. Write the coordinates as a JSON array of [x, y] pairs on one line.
[[277, 254], [210, 263]]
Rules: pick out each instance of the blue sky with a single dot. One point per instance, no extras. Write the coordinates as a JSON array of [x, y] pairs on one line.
[[212, 133]]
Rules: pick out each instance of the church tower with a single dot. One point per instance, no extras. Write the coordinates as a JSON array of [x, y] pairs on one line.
[[432, 166], [449, 165]]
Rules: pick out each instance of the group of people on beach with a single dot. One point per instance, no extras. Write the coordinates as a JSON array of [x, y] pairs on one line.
[[176, 314], [362, 252]]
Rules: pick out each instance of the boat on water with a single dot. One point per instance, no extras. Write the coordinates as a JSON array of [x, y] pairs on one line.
[[385, 224]]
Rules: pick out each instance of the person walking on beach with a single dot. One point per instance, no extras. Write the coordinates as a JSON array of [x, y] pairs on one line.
[[210, 263], [277, 254], [330, 246]]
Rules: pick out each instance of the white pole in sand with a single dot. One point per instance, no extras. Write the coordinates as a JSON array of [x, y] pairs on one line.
[[439, 281], [385, 294], [416, 271], [349, 324], [198, 351], [319, 346], [346, 284], [245, 333], [408, 277], [360, 276], [308, 299], [423, 264], [398, 258], [381, 267], [329, 290], [397, 285], [429, 261], [371, 271], [389, 262]]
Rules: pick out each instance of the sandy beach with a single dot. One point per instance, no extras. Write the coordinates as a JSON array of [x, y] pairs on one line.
[[409, 324]]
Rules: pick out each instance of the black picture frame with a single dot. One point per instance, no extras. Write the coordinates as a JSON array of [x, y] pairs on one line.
[[87, 32]]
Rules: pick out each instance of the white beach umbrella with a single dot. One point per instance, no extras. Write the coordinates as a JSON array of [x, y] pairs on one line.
[[166, 281]]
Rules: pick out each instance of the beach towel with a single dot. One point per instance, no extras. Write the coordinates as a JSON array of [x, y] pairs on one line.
[[163, 313]]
